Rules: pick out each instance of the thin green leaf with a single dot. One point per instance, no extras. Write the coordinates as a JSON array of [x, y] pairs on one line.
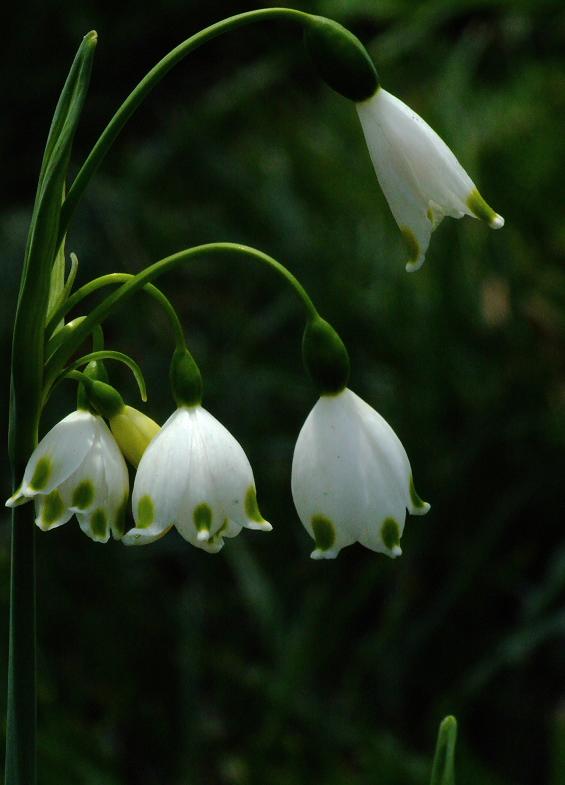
[[28, 341], [442, 769]]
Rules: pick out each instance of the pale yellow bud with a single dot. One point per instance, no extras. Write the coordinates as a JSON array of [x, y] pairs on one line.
[[133, 431]]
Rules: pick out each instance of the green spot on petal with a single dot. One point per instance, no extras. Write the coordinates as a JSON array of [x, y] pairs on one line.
[[390, 532], [413, 245], [83, 495], [251, 506], [481, 209], [119, 527], [324, 532], [41, 474], [417, 503], [53, 508], [145, 512], [99, 524], [202, 517]]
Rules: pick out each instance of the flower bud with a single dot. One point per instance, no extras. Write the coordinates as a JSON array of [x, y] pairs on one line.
[[325, 357], [341, 59], [133, 431]]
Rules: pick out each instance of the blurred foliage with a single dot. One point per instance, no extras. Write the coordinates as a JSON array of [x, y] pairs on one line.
[[165, 665]]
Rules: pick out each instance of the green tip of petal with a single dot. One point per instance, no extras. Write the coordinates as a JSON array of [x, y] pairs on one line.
[[251, 506], [483, 211], [41, 473], [99, 526], [415, 255], [324, 535], [317, 554], [419, 507], [390, 533], [51, 510], [17, 498], [145, 512], [83, 495], [119, 524]]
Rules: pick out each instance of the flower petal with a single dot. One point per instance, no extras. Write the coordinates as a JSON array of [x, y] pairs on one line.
[[351, 478], [330, 476], [58, 455], [51, 511], [161, 480], [116, 479], [220, 485]]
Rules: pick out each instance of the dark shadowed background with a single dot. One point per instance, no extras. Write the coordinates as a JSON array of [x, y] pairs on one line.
[[167, 666]]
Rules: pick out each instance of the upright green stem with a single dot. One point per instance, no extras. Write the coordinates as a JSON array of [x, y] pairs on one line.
[[138, 95], [25, 408], [58, 359], [21, 711]]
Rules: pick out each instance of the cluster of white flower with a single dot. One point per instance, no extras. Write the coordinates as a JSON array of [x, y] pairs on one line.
[[193, 475], [351, 478]]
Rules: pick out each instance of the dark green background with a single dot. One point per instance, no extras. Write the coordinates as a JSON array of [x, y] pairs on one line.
[[167, 666]]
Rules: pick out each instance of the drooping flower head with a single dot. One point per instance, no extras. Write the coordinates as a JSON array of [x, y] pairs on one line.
[[194, 474], [421, 178], [77, 469], [351, 478]]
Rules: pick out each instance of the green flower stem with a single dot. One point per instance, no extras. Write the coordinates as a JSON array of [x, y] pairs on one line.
[[58, 359], [25, 407], [138, 95], [109, 280], [105, 354]]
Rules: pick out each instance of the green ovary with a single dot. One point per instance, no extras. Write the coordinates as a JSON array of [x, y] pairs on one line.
[[324, 532]]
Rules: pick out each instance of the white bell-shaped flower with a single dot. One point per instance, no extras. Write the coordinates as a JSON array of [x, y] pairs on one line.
[[351, 478], [420, 177], [194, 475], [77, 469]]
